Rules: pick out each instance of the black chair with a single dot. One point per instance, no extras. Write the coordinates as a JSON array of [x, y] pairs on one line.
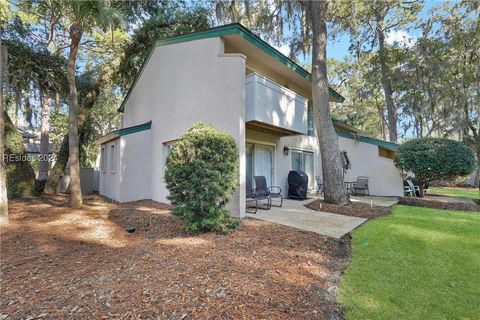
[[319, 184], [361, 185], [272, 192], [251, 197]]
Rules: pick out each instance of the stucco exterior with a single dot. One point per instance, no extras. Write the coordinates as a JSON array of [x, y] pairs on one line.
[[384, 178], [207, 79]]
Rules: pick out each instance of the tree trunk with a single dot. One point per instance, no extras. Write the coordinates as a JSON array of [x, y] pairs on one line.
[[62, 156], [73, 147], [387, 88], [3, 174], [334, 188], [44, 134]]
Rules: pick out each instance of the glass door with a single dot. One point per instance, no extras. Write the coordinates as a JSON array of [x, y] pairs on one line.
[[260, 162], [303, 161]]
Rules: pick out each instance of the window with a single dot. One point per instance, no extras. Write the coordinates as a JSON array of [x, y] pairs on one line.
[[310, 120], [112, 158], [102, 160], [303, 161], [385, 153]]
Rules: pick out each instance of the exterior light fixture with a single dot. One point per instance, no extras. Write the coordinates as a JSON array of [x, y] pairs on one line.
[[286, 150]]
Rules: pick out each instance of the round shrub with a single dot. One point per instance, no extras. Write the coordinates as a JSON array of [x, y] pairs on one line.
[[201, 175], [435, 159]]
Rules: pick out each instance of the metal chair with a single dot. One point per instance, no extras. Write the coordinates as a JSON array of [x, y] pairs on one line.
[[361, 184], [319, 181], [272, 192], [251, 197]]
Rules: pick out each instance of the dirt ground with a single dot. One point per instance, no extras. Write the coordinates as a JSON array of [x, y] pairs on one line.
[[58, 263], [356, 209]]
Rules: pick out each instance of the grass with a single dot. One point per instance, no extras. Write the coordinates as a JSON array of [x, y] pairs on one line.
[[455, 192], [417, 263]]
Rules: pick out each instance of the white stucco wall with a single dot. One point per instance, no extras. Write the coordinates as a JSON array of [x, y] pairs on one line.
[[182, 84], [384, 178], [135, 167]]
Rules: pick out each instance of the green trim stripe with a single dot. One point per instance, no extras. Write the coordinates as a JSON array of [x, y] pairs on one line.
[[384, 144], [123, 132], [130, 130], [230, 29]]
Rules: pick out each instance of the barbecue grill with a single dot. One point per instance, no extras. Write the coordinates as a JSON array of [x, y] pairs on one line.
[[297, 185]]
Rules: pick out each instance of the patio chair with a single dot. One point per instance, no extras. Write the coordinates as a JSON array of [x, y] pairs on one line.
[[319, 184], [250, 196], [408, 190], [273, 192], [361, 185]]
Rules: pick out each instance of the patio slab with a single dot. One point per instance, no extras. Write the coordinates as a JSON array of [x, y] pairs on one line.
[[294, 214]]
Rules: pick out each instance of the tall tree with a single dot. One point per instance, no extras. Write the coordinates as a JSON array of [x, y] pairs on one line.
[[368, 24], [82, 14], [334, 188], [3, 175]]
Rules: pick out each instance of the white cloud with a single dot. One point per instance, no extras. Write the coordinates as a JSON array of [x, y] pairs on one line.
[[401, 37]]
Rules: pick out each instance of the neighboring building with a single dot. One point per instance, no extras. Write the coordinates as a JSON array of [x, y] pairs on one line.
[[231, 79]]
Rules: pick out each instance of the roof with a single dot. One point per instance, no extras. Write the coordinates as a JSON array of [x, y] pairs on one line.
[[35, 148], [124, 131], [381, 143], [229, 29]]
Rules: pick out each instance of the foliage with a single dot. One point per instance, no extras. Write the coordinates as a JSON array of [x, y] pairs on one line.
[[201, 174], [20, 175], [172, 20], [435, 159], [424, 263]]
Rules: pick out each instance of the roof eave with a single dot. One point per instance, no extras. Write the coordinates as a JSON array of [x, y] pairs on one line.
[[229, 29]]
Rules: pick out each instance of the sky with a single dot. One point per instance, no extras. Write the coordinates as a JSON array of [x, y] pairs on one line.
[[338, 49]]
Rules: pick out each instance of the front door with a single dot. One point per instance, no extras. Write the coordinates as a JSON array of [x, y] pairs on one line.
[[260, 162]]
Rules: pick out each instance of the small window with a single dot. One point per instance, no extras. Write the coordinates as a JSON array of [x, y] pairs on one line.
[[102, 160], [385, 153], [112, 158]]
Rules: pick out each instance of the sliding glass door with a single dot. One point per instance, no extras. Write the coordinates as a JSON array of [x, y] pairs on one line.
[[303, 161], [260, 162]]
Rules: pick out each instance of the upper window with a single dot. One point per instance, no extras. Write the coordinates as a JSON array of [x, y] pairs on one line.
[[310, 120], [385, 153], [112, 158]]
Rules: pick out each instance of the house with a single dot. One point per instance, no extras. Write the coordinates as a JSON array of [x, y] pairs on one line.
[[228, 77]]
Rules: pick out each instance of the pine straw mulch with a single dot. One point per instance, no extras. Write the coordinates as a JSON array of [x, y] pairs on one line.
[[59, 263], [438, 203], [355, 209]]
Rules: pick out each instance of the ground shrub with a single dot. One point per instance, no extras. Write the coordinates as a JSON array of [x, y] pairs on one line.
[[201, 175], [435, 159]]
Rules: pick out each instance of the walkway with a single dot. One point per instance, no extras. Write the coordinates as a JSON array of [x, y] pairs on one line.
[[294, 214]]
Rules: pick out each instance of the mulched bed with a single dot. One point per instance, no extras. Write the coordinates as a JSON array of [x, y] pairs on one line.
[[59, 263], [356, 209], [437, 204]]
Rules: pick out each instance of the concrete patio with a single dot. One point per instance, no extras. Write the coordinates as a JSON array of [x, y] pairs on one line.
[[294, 214]]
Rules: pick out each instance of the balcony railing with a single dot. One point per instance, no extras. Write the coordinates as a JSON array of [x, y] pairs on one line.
[[271, 104]]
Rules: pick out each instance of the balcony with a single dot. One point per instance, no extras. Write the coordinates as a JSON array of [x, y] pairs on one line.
[[273, 107]]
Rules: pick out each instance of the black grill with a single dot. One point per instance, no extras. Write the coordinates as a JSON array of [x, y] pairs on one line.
[[297, 185]]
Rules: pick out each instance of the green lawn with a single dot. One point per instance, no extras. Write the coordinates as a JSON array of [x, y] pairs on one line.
[[417, 263], [455, 192]]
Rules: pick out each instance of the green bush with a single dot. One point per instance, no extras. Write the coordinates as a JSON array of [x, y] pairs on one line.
[[201, 175], [435, 159]]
